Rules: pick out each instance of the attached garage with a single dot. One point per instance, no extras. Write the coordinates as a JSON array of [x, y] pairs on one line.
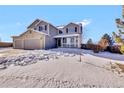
[[29, 40], [33, 44]]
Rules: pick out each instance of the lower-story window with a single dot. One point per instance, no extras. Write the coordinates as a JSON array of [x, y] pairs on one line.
[[76, 39], [64, 40], [72, 40]]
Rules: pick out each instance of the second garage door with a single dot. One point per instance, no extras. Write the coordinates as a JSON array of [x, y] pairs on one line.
[[33, 44]]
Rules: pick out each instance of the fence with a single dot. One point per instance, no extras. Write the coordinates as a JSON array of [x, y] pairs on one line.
[[6, 44]]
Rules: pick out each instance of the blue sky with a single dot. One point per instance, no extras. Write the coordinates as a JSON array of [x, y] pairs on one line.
[[15, 19]]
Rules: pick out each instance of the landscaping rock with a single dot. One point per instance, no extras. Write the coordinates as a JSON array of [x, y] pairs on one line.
[[2, 67], [1, 59], [30, 57]]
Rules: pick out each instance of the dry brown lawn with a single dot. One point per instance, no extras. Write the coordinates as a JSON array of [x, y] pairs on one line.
[[121, 66]]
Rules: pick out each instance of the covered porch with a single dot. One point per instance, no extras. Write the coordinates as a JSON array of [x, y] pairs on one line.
[[66, 41]]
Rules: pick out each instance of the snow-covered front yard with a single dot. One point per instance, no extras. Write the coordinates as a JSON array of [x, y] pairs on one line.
[[107, 55], [60, 67]]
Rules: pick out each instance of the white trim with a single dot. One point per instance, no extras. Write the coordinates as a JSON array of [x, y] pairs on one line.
[[48, 29], [62, 42], [38, 23], [58, 32], [44, 41], [69, 35], [32, 30]]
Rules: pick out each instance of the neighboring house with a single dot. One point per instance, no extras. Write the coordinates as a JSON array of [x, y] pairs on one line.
[[43, 35]]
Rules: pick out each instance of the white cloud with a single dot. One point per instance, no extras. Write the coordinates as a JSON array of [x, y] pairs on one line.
[[85, 22], [19, 24]]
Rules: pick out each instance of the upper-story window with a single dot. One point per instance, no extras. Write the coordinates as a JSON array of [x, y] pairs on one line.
[[72, 40], [40, 28], [66, 30], [60, 32], [45, 27], [76, 39], [75, 29]]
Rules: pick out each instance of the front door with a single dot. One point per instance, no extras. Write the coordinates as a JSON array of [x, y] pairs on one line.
[[59, 42]]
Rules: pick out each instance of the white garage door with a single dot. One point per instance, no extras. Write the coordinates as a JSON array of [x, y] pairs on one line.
[[19, 44], [33, 44]]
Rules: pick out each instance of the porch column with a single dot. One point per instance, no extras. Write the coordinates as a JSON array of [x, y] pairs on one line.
[[56, 42], [44, 41], [79, 41], [61, 42]]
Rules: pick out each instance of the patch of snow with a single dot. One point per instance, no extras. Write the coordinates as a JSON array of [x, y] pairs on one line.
[[60, 27], [66, 72], [107, 55], [59, 67]]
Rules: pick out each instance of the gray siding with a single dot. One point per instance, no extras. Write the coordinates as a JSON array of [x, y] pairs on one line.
[[42, 24], [71, 29], [53, 31], [50, 42]]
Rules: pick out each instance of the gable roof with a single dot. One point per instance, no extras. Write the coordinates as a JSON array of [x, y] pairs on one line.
[[34, 23], [30, 30], [72, 23], [63, 26], [38, 21]]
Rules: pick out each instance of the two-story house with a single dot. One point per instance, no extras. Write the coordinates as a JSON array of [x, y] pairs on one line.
[[43, 35]]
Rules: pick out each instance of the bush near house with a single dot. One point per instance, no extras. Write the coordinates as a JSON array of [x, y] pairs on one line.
[[84, 46], [113, 49], [103, 43], [96, 48], [106, 44]]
